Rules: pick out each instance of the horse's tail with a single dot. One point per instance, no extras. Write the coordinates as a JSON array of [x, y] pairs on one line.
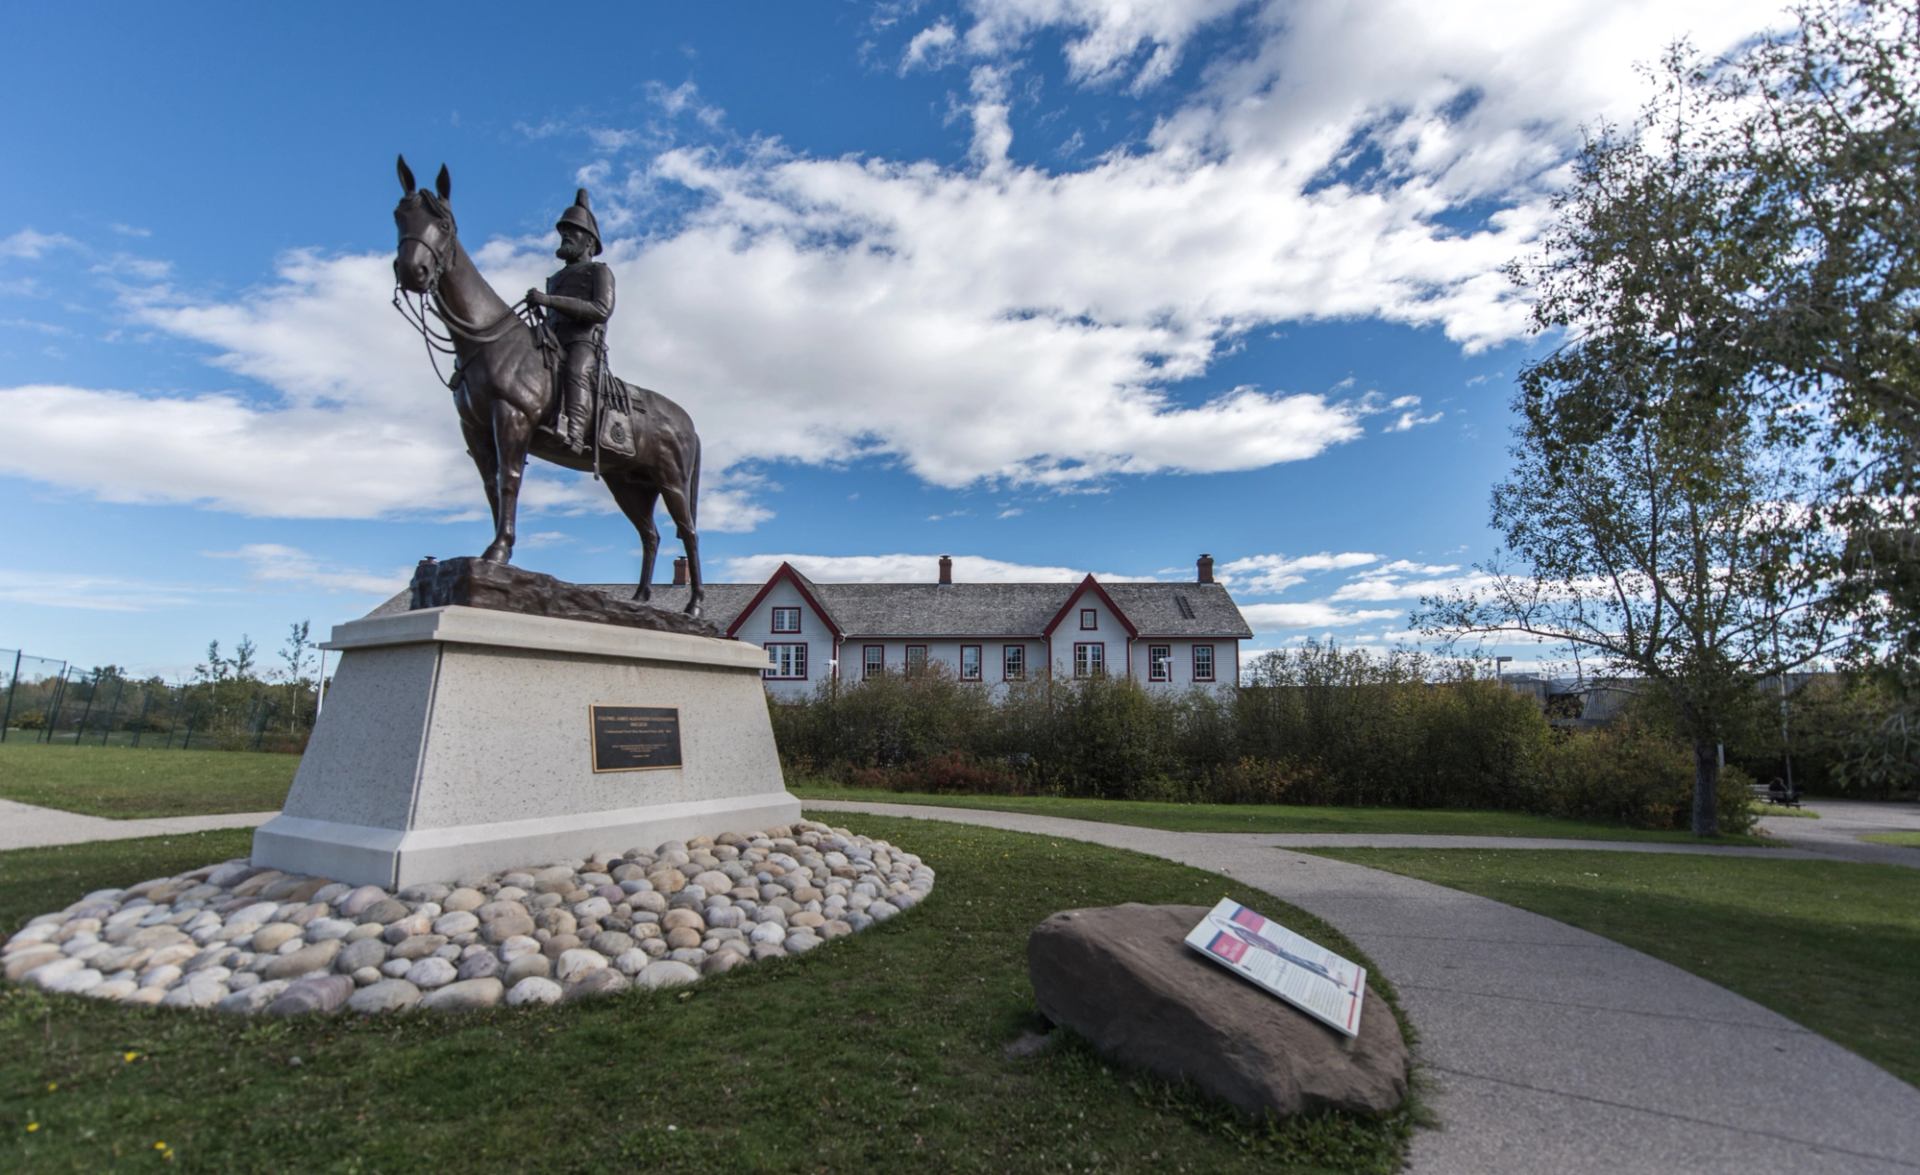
[[693, 486]]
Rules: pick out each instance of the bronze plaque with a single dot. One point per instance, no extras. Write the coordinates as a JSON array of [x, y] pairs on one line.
[[635, 738]]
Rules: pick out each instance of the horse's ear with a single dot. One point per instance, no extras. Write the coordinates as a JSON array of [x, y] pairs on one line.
[[406, 176], [443, 184]]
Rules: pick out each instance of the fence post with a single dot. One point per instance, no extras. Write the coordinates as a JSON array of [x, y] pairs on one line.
[[140, 723], [6, 720], [260, 727], [80, 731], [113, 711], [59, 696]]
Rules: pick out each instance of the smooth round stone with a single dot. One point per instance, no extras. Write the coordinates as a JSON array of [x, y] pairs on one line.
[[527, 967], [666, 973], [517, 946], [163, 976], [385, 911], [396, 968], [332, 893], [365, 930], [242, 980], [20, 963], [317, 956], [593, 907], [269, 937], [650, 901], [556, 921], [631, 961], [721, 962], [654, 947], [534, 989], [464, 898], [452, 953], [322, 929], [856, 920], [559, 944], [771, 913], [320, 994], [767, 932], [357, 901], [808, 919], [113, 989], [611, 943], [431, 972], [667, 881], [606, 981], [366, 976], [507, 926], [458, 922], [518, 879], [465, 996], [418, 946], [769, 950], [545, 901], [612, 893], [401, 929], [881, 911], [368, 952], [481, 966], [693, 957], [430, 892], [682, 937], [388, 995], [74, 982], [727, 917], [575, 963], [202, 989], [673, 919], [148, 996], [800, 942], [834, 928], [249, 1000]]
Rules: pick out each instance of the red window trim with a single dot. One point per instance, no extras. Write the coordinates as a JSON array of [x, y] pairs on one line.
[[1213, 662], [1004, 675], [867, 668], [806, 662], [1077, 646], [1089, 614], [1166, 673], [907, 663], [775, 621], [979, 662]]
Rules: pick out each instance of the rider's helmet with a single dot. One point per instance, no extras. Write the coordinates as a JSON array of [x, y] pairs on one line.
[[580, 216]]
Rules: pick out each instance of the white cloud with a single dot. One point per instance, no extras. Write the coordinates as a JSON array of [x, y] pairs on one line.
[[1408, 421], [1315, 614], [93, 593], [1109, 41], [1392, 587], [1267, 574], [271, 563], [931, 47], [28, 245]]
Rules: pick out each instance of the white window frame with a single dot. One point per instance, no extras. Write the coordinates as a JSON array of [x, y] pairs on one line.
[[910, 667], [979, 660], [1089, 620], [873, 661], [786, 661], [1207, 674], [1159, 662], [1089, 659], [1013, 662]]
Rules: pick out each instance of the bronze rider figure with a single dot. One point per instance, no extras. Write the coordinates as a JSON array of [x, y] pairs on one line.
[[578, 300]]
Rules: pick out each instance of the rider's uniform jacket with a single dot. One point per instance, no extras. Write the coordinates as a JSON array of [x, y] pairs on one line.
[[582, 295]]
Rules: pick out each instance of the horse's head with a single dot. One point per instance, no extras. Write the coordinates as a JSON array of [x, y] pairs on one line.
[[426, 232]]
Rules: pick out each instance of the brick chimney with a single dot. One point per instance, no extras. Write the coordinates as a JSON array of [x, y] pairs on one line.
[[680, 571], [946, 570], [1206, 569]]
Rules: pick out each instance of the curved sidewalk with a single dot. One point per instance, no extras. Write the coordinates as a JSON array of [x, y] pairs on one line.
[[1549, 1049]]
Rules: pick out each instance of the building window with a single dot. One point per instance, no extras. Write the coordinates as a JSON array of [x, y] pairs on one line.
[[1203, 662], [1089, 620], [1159, 662], [916, 659], [1013, 662], [969, 662], [873, 661], [1089, 660], [786, 662], [786, 620]]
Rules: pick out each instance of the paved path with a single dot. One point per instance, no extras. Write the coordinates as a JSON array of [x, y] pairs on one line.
[[1549, 1049], [23, 826], [1841, 825]]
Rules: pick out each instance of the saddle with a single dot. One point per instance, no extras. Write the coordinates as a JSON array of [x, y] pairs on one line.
[[611, 412]]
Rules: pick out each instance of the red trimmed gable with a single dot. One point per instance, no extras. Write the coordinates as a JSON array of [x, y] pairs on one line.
[[1089, 583], [799, 582]]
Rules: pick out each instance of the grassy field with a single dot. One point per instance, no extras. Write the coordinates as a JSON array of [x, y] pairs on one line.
[[1829, 944], [128, 783], [883, 1050], [1894, 838], [1275, 817]]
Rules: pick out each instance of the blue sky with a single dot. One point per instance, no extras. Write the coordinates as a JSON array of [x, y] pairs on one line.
[[1049, 285]]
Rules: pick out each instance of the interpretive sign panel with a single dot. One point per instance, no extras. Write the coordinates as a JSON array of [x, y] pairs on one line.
[[635, 738], [1306, 975]]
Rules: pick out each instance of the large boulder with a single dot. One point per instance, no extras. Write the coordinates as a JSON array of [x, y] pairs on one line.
[[1123, 978]]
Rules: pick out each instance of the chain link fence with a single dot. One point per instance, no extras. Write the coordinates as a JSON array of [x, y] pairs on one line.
[[54, 702]]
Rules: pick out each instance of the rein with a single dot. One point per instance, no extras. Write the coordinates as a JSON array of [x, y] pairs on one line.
[[457, 329]]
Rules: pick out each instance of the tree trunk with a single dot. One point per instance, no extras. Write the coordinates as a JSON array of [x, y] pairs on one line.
[[1706, 778]]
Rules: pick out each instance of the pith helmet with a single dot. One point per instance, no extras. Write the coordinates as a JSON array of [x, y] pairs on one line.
[[580, 216]]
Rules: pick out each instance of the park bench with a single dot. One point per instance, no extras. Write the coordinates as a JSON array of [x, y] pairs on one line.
[[1776, 792]]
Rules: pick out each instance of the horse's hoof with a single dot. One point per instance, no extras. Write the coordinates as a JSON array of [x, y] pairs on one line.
[[693, 609], [497, 553]]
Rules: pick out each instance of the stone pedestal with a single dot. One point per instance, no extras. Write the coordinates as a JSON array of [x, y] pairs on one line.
[[458, 741]]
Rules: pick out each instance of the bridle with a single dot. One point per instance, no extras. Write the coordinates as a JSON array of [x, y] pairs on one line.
[[429, 302]]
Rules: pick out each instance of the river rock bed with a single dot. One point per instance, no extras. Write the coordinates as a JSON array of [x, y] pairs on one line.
[[240, 939]]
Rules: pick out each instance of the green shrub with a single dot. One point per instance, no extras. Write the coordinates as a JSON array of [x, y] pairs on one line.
[[1635, 776]]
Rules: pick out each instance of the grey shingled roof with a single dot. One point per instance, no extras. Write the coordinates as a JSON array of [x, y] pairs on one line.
[[962, 609]]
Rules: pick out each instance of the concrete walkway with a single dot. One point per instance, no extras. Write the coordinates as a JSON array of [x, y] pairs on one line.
[[1544, 1048], [1841, 825], [1548, 1049], [24, 826]]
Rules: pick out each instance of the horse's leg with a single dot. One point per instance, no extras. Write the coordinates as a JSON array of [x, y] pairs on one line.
[[637, 503], [511, 431], [480, 448], [680, 508]]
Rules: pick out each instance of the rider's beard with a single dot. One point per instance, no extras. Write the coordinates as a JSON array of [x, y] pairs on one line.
[[570, 251]]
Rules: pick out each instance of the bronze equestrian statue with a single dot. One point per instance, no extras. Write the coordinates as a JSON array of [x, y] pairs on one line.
[[510, 389]]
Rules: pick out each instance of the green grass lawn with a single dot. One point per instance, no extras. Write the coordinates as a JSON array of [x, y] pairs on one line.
[[1762, 808], [128, 783], [1911, 839], [1829, 944], [883, 1050], [1274, 817]]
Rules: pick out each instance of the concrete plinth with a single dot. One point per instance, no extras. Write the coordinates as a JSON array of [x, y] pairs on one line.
[[457, 741]]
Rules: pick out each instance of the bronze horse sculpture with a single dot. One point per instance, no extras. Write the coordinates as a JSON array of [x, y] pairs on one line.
[[504, 390]]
